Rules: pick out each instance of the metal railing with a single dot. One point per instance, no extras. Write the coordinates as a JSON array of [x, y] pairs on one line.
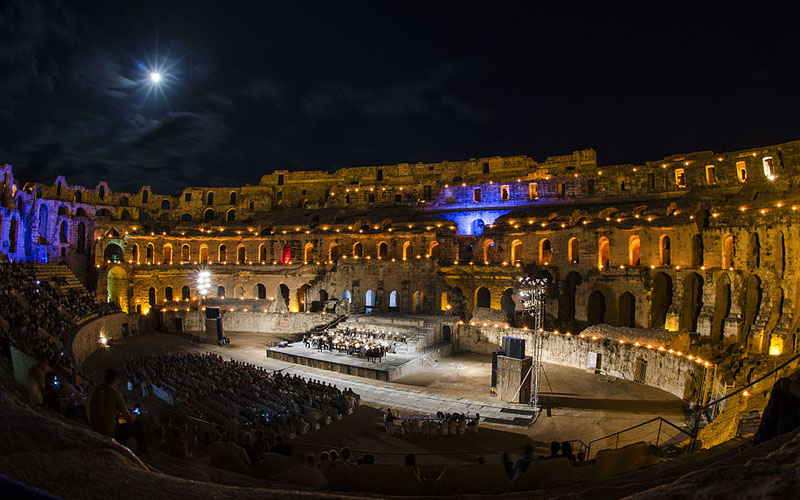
[[664, 432]]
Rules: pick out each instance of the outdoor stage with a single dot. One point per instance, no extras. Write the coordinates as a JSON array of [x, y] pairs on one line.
[[391, 366]]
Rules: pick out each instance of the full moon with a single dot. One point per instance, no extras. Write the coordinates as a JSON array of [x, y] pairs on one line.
[[155, 77]]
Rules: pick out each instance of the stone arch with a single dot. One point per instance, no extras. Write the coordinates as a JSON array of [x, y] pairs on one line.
[[418, 301], [433, 249], [113, 253], [545, 252], [286, 256], [230, 215], [603, 253], [754, 247], [596, 308], [303, 302], [210, 198], [333, 252], [516, 252], [393, 300], [692, 301], [780, 254], [728, 251], [221, 292], [186, 293], [358, 250], [168, 294], [166, 253], [660, 300], [165, 204], [483, 298], [476, 227], [369, 300], [233, 198], [43, 219], [664, 250], [383, 250], [626, 311], [574, 250], [697, 250], [262, 253], [117, 285], [241, 255], [488, 251], [566, 301], [722, 306], [308, 252], [222, 254], [135, 253], [203, 254], [186, 217], [260, 292], [283, 293], [634, 251], [149, 253], [408, 250], [151, 296], [63, 233], [186, 254], [347, 295]]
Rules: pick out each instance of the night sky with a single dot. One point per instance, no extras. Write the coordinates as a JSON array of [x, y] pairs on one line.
[[253, 87]]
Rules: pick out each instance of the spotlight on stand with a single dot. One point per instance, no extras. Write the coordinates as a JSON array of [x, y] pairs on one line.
[[532, 295]]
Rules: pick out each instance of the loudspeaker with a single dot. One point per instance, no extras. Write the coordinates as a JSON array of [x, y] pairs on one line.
[[494, 366], [514, 347], [212, 312]]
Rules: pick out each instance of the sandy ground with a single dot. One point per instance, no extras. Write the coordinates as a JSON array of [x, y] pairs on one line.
[[579, 405]]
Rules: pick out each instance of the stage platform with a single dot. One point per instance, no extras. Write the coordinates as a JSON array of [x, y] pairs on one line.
[[392, 366]]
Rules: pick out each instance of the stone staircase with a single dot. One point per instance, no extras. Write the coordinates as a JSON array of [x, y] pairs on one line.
[[60, 276]]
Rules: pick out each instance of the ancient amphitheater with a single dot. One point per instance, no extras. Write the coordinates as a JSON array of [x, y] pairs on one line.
[[669, 315]]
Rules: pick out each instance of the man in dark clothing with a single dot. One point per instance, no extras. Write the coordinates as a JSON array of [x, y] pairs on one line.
[[782, 413], [522, 465], [107, 406]]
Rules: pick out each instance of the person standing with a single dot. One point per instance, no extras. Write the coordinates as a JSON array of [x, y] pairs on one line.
[[105, 409]]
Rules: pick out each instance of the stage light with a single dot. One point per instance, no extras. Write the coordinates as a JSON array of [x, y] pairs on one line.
[[155, 77]]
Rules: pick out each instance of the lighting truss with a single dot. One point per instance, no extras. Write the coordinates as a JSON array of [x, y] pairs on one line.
[[532, 295]]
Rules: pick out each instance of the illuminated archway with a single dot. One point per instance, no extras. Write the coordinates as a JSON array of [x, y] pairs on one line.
[[634, 251], [516, 252]]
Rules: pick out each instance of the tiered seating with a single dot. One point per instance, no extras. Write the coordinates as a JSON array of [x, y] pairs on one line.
[[60, 276]]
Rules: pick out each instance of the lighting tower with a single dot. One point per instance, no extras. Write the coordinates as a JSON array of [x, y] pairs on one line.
[[532, 293]]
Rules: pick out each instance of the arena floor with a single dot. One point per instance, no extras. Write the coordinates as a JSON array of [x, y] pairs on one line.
[[579, 405]]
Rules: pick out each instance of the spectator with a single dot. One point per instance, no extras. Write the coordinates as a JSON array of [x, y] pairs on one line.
[[566, 450], [411, 461], [555, 447], [508, 465], [36, 380], [522, 465], [107, 406]]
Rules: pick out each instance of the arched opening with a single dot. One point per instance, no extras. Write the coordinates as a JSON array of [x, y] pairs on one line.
[[149, 253], [697, 250], [308, 252], [43, 220], [230, 215], [186, 294], [80, 241], [358, 250], [369, 300], [393, 301], [408, 250], [221, 292], [665, 257], [303, 300], [203, 254], [507, 305], [241, 255], [283, 294], [516, 252], [113, 253], [626, 315], [210, 198], [483, 297], [185, 254], [383, 250], [722, 307], [433, 250], [208, 215], [755, 251], [186, 217], [63, 234], [634, 251], [692, 301], [603, 253], [165, 205], [166, 254], [574, 250], [151, 296], [566, 302], [488, 251], [727, 251], [135, 253], [752, 306], [660, 300], [476, 227], [233, 198], [346, 295], [333, 252], [446, 333], [286, 256], [596, 308], [261, 292], [418, 301], [78, 197], [545, 252], [222, 255], [262, 253], [168, 294], [117, 285]]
